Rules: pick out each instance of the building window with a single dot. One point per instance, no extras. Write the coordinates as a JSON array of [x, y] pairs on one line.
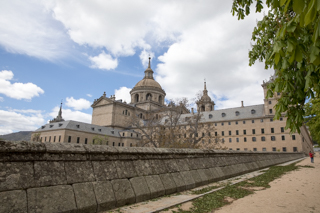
[[222, 140], [86, 141], [122, 144], [278, 93], [262, 130], [222, 124], [92, 128], [130, 144], [49, 138], [229, 123], [245, 149], [282, 129], [54, 139], [237, 122], [237, 113], [281, 119], [45, 139], [261, 120], [272, 130], [245, 139], [283, 137], [229, 132], [253, 111], [230, 149], [222, 133], [253, 131], [237, 139], [112, 132], [99, 130], [69, 139], [270, 111], [60, 125], [273, 138], [244, 132], [293, 137], [274, 149], [264, 149], [119, 144], [215, 124], [295, 149], [269, 102], [255, 149], [78, 139], [244, 122], [252, 121], [263, 138], [113, 143], [92, 141], [271, 119], [230, 140], [51, 126], [284, 149], [78, 126], [254, 139], [215, 133], [210, 116], [223, 114], [238, 149], [59, 138], [40, 139], [237, 132]]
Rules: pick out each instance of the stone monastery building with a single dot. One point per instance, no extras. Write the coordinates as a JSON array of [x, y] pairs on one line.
[[244, 128]]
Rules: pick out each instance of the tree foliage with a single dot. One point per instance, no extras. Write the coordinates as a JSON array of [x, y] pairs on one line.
[[100, 140], [312, 119], [287, 40]]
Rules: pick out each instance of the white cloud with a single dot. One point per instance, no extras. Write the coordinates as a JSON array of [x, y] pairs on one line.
[[20, 120], [144, 57], [104, 61], [27, 27], [123, 93], [89, 95], [17, 90], [78, 104], [68, 114]]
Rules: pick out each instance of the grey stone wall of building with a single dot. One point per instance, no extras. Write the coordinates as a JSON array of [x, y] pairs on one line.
[[62, 177]]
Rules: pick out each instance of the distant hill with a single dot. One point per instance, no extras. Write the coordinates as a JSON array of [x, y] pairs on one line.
[[18, 136]]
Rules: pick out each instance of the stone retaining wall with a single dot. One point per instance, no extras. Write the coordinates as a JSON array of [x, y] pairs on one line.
[[62, 177]]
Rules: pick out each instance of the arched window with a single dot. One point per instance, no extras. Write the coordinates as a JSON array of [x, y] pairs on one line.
[[210, 116], [149, 96], [160, 99], [136, 98], [253, 111], [202, 108], [237, 113], [223, 114]]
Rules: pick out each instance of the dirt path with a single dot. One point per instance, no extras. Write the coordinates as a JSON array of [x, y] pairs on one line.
[[297, 191]]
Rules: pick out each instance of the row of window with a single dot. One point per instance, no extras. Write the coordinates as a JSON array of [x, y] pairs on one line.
[[274, 149], [263, 138], [244, 121], [93, 141], [49, 139], [253, 131]]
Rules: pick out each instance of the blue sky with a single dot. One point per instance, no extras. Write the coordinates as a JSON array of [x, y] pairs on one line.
[[75, 50]]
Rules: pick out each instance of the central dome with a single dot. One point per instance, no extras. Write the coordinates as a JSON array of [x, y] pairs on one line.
[[148, 82]]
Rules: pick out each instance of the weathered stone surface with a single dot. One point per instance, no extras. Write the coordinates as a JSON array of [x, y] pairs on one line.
[[16, 175], [171, 165], [105, 170], [49, 173], [197, 179], [142, 167], [125, 169], [64, 148], [179, 181], [168, 183], [155, 186], [79, 171], [13, 201], [123, 192], [104, 195], [183, 164], [51, 199], [216, 173], [203, 176], [188, 180], [21, 146], [85, 197], [158, 167], [140, 188], [209, 175]]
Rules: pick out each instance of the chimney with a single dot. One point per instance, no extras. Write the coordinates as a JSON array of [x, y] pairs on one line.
[[192, 111], [241, 103]]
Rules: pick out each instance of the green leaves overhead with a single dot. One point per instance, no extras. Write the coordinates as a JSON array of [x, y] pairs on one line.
[[287, 40]]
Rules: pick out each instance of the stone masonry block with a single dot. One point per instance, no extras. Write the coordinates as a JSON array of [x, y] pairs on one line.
[[125, 169], [187, 177], [158, 167], [183, 164], [203, 176], [217, 173], [16, 175], [140, 188], [179, 181], [104, 195], [168, 183], [123, 192], [155, 186], [79, 171], [197, 179], [13, 201], [171, 165], [49, 173], [143, 167], [85, 197], [209, 175], [105, 170], [51, 199]]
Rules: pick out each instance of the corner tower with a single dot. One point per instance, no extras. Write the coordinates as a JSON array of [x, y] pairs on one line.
[[147, 94], [205, 103]]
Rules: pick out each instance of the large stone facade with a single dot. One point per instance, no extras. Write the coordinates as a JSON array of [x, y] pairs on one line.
[[245, 128]]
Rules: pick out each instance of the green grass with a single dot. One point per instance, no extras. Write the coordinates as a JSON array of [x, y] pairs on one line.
[[204, 190]]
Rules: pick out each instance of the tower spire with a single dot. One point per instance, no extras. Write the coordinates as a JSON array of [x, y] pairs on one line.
[[149, 66], [59, 117], [205, 85]]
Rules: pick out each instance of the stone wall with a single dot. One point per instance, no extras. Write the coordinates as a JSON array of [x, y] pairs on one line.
[[62, 177]]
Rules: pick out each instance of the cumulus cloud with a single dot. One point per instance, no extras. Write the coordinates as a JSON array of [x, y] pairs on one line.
[[123, 93], [89, 95], [104, 61], [17, 90], [20, 120], [78, 104], [28, 28], [69, 114], [144, 57]]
